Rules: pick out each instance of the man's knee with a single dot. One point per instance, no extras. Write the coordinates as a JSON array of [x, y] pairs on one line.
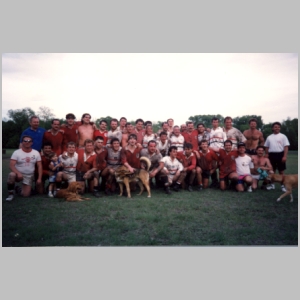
[[11, 179]]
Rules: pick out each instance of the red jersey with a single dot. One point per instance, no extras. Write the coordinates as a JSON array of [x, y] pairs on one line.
[[132, 158], [56, 141], [140, 135], [206, 159], [191, 138], [85, 162], [187, 162], [100, 161], [70, 135], [103, 134], [227, 161]]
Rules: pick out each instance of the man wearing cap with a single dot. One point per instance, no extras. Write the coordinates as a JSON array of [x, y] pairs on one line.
[[35, 132], [243, 163], [22, 166]]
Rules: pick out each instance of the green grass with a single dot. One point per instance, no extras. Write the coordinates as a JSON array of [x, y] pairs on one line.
[[206, 218]]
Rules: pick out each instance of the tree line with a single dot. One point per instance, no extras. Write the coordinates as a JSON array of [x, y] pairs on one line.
[[18, 122]]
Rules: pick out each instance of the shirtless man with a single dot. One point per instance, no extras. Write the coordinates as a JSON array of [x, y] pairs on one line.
[[233, 134], [113, 132], [139, 130], [254, 137], [101, 131], [85, 130], [260, 164], [129, 130]]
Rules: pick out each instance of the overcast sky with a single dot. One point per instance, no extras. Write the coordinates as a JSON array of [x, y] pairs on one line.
[[153, 86]]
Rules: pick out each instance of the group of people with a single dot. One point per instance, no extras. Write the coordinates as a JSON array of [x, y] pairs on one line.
[[182, 157]]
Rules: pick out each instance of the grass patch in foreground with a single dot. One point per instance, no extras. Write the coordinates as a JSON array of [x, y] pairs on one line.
[[207, 218]]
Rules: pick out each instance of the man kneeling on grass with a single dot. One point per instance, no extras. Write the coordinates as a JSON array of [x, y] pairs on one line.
[[243, 162], [22, 166]]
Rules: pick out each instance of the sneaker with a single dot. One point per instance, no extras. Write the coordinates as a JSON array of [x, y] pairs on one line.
[[50, 195], [249, 189], [10, 197], [271, 186], [283, 188], [168, 191], [97, 194], [190, 189], [200, 188]]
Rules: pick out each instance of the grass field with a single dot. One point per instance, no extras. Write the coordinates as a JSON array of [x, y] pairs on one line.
[[207, 218]]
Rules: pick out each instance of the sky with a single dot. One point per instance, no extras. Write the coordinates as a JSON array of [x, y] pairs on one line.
[[153, 86]]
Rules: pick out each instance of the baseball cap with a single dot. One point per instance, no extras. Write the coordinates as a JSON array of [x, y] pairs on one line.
[[241, 145]]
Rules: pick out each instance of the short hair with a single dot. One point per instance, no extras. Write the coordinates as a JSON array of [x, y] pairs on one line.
[[215, 119], [171, 148], [102, 121], [114, 140], [276, 123], [139, 120], [260, 146], [227, 118], [99, 138], [163, 133], [132, 136], [147, 123], [200, 124], [188, 146], [33, 117], [252, 120], [228, 141], [203, 141], [176, 126], [127, 124], [163, 123], [52, 121], [123, 118], [88, 141], [51, 154], [70, 116], [71, 144], [189, 122], [170, 119], [113, 120], [47, 144], [151, 141]]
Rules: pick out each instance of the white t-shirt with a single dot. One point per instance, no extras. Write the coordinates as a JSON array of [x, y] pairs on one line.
[[217, 138], [25, 161], [243, 165], [177, 141], [276, 142], [70, 163], [172, 166]]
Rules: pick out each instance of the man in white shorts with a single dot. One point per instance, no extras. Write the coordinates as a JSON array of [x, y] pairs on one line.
[[170, 167], [22, 166], [69, 161]]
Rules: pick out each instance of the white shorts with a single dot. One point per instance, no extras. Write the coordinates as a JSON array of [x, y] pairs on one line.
[[70, 177], [255, 177], [27, 179]]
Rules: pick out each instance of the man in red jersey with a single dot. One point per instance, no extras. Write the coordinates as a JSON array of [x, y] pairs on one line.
[[70, 131], [191, 135], [54, 136], [102, 131]]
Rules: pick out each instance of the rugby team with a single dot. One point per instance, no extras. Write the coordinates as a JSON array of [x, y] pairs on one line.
[[182, 157]]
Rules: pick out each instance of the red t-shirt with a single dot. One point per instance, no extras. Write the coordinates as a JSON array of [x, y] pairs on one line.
[[191, 138], [55, 140], [97, 132], [85, 163], [206, 159], [132, 158], [187, 162], [100, 161], [70, 135], [227, 161]]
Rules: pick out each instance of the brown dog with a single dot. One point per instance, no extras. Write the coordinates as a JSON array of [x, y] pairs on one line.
[[289, 181], [71, 193], [141, 176]]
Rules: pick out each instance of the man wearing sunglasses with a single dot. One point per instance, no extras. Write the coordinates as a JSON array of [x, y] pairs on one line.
[[22, 166]]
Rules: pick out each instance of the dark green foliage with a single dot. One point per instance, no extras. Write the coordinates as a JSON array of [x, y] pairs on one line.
[[242, 123], [206, 119]]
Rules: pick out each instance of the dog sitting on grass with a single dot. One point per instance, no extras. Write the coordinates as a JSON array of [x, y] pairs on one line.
[[71, 193], [289, 181], [141, 176]]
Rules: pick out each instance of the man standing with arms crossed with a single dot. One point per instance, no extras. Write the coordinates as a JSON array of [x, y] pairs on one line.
[[276, 147], [233, 134], [254, 137]]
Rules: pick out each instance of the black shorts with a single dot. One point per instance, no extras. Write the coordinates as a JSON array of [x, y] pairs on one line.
[[205, 173], [251, 151], [276, 161], [79, 176]]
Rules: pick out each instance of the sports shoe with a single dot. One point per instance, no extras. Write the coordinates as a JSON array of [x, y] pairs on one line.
[[249, 189], [10, 197], [50, 195], [97, 194], [283, 188], [168, 191], [200, 187], [190, 189], [271, 186]]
